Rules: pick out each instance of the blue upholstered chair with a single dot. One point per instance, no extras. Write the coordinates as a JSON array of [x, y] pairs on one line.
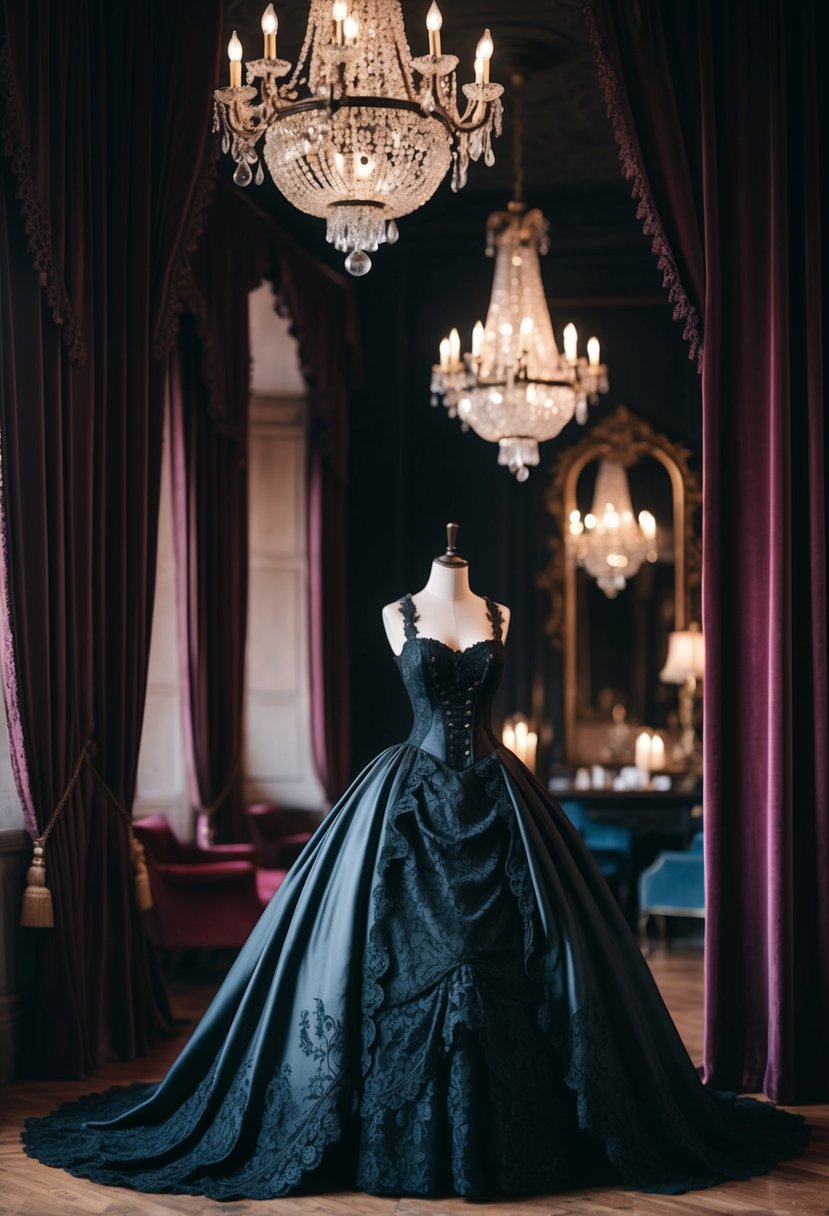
[[673, 886], [611, 845]]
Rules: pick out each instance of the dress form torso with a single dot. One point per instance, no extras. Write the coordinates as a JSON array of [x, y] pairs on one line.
[[447, 610]]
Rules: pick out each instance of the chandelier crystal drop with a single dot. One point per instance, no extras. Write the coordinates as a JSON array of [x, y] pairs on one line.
[[515, 388], [610, 542], [358, 132]]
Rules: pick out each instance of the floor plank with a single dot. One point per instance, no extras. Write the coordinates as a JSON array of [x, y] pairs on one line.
[[30, 1189]]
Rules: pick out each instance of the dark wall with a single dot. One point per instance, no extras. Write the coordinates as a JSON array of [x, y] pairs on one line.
[[413, 469]]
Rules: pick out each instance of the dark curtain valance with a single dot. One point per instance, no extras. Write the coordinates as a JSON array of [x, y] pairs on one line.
[[101, 189], [721, 109]]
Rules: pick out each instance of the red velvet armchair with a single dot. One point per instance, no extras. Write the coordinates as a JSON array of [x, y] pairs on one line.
[[279, 835], [202, 898]]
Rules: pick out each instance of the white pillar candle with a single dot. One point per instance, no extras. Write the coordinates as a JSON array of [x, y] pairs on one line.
[[657, 759], [643, 751]]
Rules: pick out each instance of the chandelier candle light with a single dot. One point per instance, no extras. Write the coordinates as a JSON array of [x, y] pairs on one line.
[[610, 542], [349, 134], [514, 387]]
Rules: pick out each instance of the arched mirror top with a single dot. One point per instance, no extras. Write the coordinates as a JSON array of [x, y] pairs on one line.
[[626, 439]]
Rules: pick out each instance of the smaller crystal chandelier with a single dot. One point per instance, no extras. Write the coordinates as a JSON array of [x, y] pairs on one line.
[[515, 388], [610, 542], [350, 136]]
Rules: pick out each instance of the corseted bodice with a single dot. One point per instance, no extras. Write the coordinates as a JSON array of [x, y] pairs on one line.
[[451, 690]]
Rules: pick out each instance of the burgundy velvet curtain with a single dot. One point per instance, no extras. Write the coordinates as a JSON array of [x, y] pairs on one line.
[[722, 113], [104, 143], [209, 395], [208, 417], [324, 323]]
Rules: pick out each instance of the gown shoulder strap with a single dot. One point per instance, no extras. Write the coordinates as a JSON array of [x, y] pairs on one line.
[[409, 614], [496, 619]]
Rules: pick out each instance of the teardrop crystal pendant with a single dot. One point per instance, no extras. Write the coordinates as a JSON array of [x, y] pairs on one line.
[[358, 263], [260, 174], [243, 175]]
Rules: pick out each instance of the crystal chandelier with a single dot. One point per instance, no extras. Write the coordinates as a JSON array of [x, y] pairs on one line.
[[349, 134], [515, 388], [610, 542]]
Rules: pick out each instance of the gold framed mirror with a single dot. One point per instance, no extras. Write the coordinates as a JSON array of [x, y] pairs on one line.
[[661, 601]]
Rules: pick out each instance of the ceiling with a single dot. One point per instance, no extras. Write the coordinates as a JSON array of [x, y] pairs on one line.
[[568, 143]]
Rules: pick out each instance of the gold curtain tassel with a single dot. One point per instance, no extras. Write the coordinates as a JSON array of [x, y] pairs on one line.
[[143, 892], [37, 912]]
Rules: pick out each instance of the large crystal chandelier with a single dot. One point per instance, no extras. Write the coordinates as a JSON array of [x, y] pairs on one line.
[[514, 387], [350, 134], [610, 542]]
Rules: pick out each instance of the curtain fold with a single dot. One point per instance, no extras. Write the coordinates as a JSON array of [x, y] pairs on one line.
[[324, 324], [209, 422], [722, 111], [101, 191], [209, 407]]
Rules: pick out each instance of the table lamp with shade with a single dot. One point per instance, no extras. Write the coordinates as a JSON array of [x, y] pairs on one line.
[[685, 665]]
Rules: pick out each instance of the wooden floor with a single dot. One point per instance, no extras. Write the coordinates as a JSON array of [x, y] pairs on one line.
[[30, 1189]]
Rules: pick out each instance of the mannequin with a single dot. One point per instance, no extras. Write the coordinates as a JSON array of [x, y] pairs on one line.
[[448, 609]]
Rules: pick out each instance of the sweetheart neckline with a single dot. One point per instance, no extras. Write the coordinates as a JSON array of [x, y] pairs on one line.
[[466, 649]]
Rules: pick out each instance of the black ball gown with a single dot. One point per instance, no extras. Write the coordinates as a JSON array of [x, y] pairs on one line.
[[442, 997]]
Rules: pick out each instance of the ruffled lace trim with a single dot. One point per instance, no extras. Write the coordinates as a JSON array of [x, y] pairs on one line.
[[395, 847], [35, 223], [410, 616], [647, 210], [496, 619]]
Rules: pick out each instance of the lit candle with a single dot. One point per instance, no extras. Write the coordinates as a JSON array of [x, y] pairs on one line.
[[483, 51], [521, 733], [444, 353], [234, 54], [571, 342], [477, 340], [479, 70], [351, 29], [576, 526], [526, 333], [648, 525], [657, 760], [454, 347], [593, 350], [532, 748], [434, 21], [339, 12], [508, 736], [643, 751], [270, 24]]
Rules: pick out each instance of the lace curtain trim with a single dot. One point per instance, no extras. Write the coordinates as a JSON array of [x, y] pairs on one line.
[[647, 210]]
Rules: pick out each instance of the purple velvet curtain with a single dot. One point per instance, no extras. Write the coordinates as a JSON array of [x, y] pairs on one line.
[[101, 184], [208, 423], [722, 114]]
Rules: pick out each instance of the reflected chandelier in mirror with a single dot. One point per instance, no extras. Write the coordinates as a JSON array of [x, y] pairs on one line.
[[629, 671]]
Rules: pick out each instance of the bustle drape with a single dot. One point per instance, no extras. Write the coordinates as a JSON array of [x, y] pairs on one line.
[[722, 114], [104, 144], [209, 393]]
